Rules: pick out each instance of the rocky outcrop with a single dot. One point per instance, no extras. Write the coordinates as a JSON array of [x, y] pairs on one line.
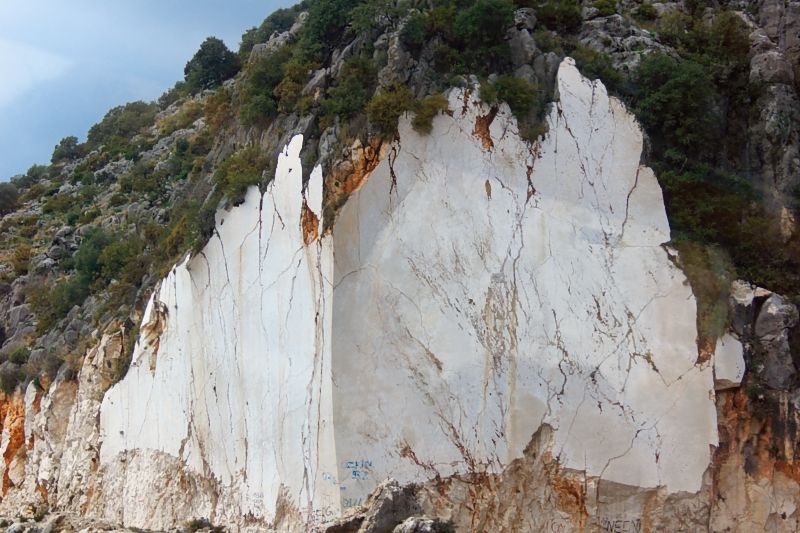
[[774, 147]]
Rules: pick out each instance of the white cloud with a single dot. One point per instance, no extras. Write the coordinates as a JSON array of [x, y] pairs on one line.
[[23, 67]]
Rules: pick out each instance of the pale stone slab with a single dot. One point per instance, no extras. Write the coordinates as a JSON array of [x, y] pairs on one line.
[[729, 363]]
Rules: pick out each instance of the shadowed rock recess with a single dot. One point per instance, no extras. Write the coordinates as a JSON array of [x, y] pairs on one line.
[[495, 327]]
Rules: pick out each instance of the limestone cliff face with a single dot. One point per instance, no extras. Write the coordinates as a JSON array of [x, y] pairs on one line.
[[495, 321]]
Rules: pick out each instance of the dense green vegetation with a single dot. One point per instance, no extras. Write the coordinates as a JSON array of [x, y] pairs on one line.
[[211, 65], [115, 133], [695, 109], [67, 150]]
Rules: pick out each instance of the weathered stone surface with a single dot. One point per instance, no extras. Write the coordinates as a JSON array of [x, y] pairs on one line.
[[493, 324], [532, 371], [729, 363], [277, 40], [772, 326], [388, 506], [523, 47]]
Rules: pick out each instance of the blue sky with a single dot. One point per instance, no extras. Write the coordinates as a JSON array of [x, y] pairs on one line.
[[63, 64]]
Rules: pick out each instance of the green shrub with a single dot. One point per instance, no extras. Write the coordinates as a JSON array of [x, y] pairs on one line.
[[143, 178], [596, 65], [413, 34], [189, 229], [67, 150], [217, 110], [9, 198], [212, 64], [258, 100], [549, 41], [289, 90], [119, 126], [353, 89], [646, 11], [445, 57], [185, 117], [240, 171], [60, 203], [88, 215], [172, 95], [563, 16], [87, 258], [606, 7], [324, 27], [728, 39], [21, 258], [676, 99], [117, 200], [520, 95], [374, 14], [713, 207], [426, 111], [386, 107], [439, 20], [19, 355], [121, 257], [696, 6], [50, 304], [481, 32]]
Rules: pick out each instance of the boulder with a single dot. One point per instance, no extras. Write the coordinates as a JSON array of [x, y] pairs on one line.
[[772, 326], [388, 506]]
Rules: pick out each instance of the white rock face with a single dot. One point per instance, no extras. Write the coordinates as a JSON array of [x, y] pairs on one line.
[[474, 289], [501, 289], [728, 363], [227, 376]]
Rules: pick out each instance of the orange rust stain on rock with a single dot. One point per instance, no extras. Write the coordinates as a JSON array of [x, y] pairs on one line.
[[12, 414], [152, 331], [570, 490], [465, 101], [481, 129], [348, 175], [705, 349], [310, 224], [37, 401], [42, 490], [751, 442], [531, 188]]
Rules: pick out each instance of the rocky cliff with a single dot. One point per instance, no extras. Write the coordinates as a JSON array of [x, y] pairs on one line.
[[497, 322], [501, 319]]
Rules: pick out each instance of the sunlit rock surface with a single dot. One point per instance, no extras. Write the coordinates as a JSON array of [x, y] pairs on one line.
[[498, 321], [231, 377], [474, 288]]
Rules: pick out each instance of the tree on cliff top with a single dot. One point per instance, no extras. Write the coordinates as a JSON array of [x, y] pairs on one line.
[[211, 65]]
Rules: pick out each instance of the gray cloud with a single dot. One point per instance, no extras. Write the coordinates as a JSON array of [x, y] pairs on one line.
[[89, 56]]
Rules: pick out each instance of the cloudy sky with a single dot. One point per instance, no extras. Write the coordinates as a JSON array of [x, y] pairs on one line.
[[64, 63]]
